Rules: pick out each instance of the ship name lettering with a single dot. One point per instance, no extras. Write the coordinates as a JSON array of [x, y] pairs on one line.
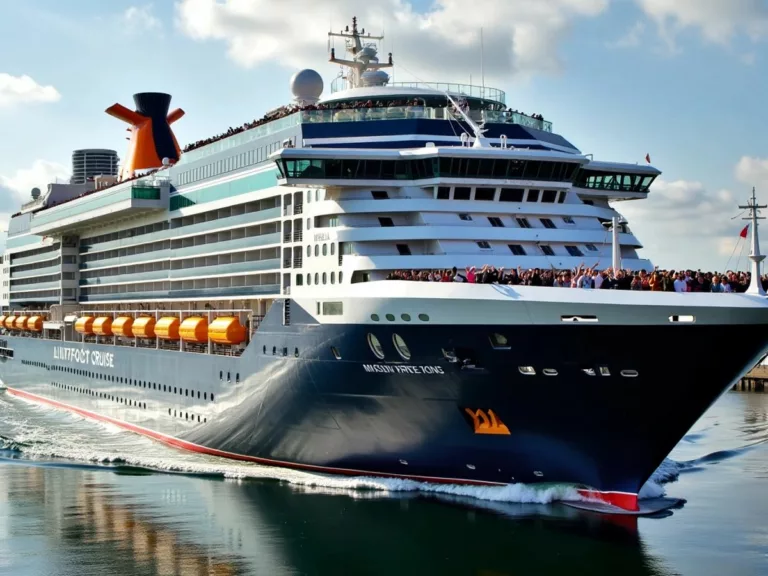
[[82, 356], [402, 369], [320, 236]]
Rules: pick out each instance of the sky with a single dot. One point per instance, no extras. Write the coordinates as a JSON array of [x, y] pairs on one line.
[[681, 80]]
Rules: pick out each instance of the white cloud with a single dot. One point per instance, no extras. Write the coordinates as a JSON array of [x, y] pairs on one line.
[[631, 38], [16, 188], [520, 36], [717, 20], [24, 90], [137, 19], [682, 224], [753, 172]]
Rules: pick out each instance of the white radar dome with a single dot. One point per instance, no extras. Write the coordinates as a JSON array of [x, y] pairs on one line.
[[307, 86]]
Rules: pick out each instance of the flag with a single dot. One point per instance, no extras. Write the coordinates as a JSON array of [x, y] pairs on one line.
[[743, 233], [648, 158]]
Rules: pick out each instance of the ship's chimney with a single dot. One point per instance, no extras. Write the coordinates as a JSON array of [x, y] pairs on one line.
[[152, 139]]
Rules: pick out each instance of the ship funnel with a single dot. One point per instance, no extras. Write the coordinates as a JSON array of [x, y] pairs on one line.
[[152, 140]]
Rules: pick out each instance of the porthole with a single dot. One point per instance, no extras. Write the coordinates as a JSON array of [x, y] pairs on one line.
[[317, 279], [325, 277], [604, 371], [296, 352], [205, 395], [629, 373], [274, 350], [335, 352], [341, 276], [264, 349], [499, 341], [325, 249], [309, 279], [211, 396], [589, 371], [375, 317], [333, 277], [549, 372], [685, 319], [333, 249], [309, 251], [527, 370], [376, 347], [405, 317], [237, 377], [390, 317], [317, 249], [401, 347], [423, 317]]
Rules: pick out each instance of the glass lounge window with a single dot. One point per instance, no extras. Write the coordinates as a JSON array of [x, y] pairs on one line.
[[547, 223], [547, 250], [516, 249], [523, 222], [574, 251]]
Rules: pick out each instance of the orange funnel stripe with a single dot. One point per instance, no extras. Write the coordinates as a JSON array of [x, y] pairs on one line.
[[151, 138]]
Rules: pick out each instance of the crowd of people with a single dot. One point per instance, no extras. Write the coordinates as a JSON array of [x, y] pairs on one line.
[[591, 278], [287, 110]]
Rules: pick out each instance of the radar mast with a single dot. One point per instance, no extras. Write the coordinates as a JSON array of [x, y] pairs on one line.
[[362, 67]]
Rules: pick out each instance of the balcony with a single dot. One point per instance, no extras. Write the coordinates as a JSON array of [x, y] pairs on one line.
[[137, 197], [220, 269], [178, 293]]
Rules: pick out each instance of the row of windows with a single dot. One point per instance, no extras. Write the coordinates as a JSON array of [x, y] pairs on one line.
[[427, 168], [102, 395], [245, 281], [176, 223], [51, 250], [325, 276], [248, 158], [187, 392], [37, 265], [40, 279], [403, 317], [201, 262], [488, 194], [519, 250], [187, 416], [613, 181], [497, 222], [35, 295]]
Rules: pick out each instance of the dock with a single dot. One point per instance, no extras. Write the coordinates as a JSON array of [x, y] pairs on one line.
[[755, 379]]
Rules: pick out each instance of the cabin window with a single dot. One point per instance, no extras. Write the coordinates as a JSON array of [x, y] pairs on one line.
[[401, 347], [375, 346], [516, 249]]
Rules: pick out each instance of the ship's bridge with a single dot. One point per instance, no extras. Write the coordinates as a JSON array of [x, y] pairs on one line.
[[614, 180]]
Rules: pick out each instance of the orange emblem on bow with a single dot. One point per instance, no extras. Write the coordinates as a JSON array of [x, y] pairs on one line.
[[487, 423]]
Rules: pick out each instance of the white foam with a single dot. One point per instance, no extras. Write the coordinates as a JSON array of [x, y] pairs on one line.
[[84, 440]]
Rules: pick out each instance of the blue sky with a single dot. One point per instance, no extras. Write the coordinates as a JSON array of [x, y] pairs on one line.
[[684, 81]]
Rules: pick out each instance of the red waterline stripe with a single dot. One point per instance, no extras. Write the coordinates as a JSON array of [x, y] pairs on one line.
[[625, 500], [190, 446]]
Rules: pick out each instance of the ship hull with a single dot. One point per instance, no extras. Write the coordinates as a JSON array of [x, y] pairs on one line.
[[607, 403]]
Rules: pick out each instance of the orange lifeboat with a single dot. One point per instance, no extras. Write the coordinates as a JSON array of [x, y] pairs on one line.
[[144, 327], [123, 326], [194, 329], [102, 326], [167, 328], [8, 322], [84, 325], [35, 323], [226, 330], [21, 323], [2, 320]]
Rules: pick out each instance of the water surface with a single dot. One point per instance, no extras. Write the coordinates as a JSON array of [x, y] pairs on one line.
[[80, 498]]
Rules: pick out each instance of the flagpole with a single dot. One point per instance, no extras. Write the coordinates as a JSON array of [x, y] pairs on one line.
[[756, 282]]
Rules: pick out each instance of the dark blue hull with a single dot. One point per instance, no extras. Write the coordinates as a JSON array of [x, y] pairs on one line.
[[288, 400]]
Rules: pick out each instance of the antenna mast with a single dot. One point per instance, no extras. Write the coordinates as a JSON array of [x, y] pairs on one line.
[[482, 63], [756, 283], [363, 56]]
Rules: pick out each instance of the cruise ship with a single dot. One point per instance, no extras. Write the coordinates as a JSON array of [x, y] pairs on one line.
[[233, 297]]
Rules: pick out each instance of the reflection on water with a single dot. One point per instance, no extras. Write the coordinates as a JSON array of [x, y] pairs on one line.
[[71, 521], [75, 518]]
